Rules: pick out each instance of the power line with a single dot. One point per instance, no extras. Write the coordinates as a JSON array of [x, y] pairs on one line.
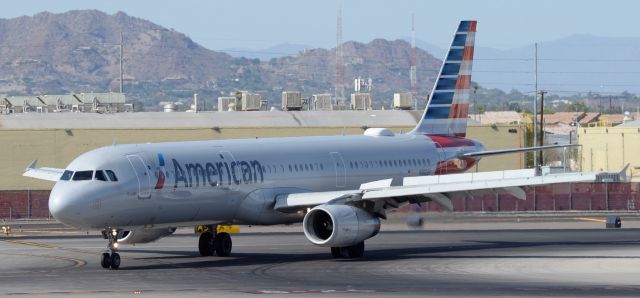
[[557, 72]]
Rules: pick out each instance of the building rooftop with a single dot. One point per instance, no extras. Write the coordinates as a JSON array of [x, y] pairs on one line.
[[589, 118], [69, 120], [563, 117], [504, 117], [66, 99], [612, 119]]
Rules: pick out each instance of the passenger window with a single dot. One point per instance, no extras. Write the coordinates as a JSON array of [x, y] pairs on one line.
[[100, 176], [83, 175], [112, 175], [321, 166], [66, 175], [306, 167]]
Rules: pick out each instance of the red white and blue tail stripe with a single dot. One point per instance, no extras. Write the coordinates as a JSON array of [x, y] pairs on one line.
[[447, 108]]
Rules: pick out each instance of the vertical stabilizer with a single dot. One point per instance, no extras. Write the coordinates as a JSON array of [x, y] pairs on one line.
[[448, 105]]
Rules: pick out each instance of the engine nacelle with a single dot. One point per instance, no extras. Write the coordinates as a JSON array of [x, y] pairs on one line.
[[339, 225], [144, 235]]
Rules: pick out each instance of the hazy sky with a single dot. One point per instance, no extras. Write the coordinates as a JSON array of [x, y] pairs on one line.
[[256, 24]]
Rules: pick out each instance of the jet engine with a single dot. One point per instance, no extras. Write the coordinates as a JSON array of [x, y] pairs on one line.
[[339, 225], [144, 235]]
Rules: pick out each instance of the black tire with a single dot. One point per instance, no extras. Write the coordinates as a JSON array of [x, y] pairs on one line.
[[336, 252], [205, 244], [105, 261], [115, 260], [223, 244], [356, 251]]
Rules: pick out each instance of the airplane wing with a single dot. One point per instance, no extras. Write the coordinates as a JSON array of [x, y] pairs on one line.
[[379, 196], [50, 174]]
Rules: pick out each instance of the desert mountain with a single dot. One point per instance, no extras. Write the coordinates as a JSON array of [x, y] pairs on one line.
[[78, 51]]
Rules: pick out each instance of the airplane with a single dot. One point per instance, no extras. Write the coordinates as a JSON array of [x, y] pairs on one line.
[[339, 187]]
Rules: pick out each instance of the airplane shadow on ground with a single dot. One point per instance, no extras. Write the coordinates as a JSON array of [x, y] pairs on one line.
[[371, 255]]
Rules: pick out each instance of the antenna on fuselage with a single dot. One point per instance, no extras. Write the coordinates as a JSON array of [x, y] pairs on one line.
[[114, 142]]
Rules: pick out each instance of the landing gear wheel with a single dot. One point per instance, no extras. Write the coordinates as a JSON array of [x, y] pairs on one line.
[[356, 251], [115, 260], [206, 245], [105, 261], [336, 253], [351, 252], [111, 259], [223, 244]]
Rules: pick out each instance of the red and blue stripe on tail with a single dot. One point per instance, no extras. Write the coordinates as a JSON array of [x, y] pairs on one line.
[[448, 105]]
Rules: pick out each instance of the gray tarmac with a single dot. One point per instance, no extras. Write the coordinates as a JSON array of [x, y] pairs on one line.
[[570, 262]]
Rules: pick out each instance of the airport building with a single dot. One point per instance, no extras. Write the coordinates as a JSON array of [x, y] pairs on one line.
[[80, 102], [56, 138], [611, 148]]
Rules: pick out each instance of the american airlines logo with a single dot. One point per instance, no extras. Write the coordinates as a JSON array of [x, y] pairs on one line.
[[160, 172], [217, 173]]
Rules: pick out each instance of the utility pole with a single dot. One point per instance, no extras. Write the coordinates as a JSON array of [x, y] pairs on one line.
[[535, 108], [610, 106], [412, 69], [339, 58], [541, 134], [121, 74], [475, 102]]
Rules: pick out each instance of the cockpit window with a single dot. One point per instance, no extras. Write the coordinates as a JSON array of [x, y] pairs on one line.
[[100, 176], [112, 175], [66, 175], [83, 175]]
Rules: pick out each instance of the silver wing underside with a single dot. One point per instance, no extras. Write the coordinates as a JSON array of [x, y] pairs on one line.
[[50, 174], [378, 196]]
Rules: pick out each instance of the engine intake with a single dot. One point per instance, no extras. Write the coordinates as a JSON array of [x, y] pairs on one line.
[[339, 225], [144, 235]]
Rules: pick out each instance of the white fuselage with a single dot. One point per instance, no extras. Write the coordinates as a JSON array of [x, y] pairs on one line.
[[236, 181]]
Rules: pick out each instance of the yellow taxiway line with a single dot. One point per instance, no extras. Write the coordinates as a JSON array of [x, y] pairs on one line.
[[590, 219]]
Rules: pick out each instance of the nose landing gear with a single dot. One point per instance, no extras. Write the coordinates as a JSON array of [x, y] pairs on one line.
[[110, 258]]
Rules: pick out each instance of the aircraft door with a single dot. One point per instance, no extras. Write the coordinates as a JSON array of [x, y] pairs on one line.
[[341, 171], [142, 173]]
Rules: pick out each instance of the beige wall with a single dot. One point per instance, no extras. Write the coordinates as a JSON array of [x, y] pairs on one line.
[[610, 149], [57, 147]]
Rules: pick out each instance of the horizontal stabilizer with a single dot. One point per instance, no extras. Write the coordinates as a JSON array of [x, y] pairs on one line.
[[515, 150]]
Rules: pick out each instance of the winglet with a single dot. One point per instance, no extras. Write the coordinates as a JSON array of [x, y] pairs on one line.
[[32, 165], [623, 173]]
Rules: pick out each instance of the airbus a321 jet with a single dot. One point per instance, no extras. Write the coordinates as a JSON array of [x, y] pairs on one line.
[[339, 187]]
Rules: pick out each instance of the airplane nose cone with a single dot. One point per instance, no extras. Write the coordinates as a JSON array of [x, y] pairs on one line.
[[63, 206]]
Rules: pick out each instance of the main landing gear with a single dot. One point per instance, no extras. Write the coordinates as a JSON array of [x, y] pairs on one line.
[[211, 242], [350, 252], [110, 258]]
